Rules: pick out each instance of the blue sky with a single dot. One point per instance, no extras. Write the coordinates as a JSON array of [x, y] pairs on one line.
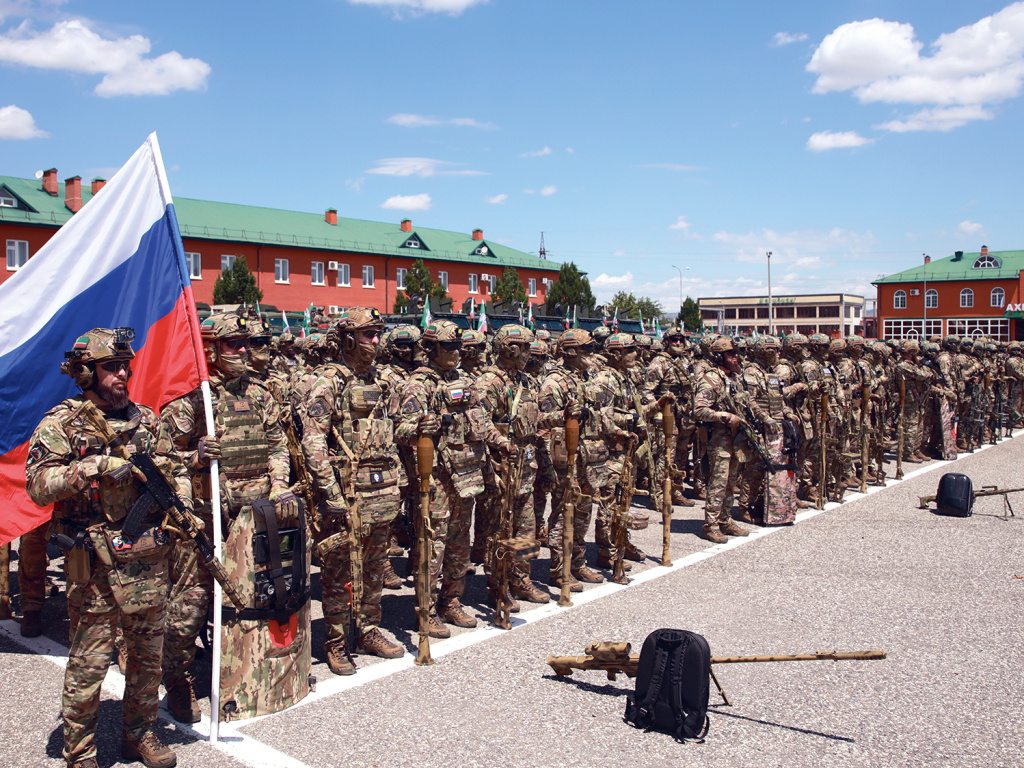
[[846, 138]]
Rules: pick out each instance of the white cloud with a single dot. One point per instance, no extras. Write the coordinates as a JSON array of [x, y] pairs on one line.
[[802, 248], [538, 153], [969, 227], [496, 199], [681, 224], [880, 61], [420, 7], [549, 190], [612, 283], [408, 203], [780, 39], [418, 166], [407, 120], [18, 123], [824, 140], [528, 191], [74, 47]]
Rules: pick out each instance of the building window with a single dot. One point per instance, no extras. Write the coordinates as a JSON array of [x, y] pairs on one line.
[[472, 282], [367, 276], [745, 313], [533, 286], [998, 329], [492, 282], [280, 270], [987, 262], [7, 200], [912, 329], [17, 254], [344, 275], [226, 262], [195, 265], [806, 313], [442, 279], [899, 301], [997, 297], [316, 273], [931, 299], [400, 279], [966, 298]]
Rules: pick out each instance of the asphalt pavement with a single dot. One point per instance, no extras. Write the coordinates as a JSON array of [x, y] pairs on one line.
[[941, 596]]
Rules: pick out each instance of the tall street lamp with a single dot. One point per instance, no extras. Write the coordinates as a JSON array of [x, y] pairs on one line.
[[677, 269], [771, 320]]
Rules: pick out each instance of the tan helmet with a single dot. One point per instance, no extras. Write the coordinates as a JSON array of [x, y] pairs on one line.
[[910, 345], [95, 346], [358, 318], [794, 341], [543, 335], [511, 334], [837, 346], [818, 341], [620, 340], [471, 338], [643, 341], [575, 337], [441, 330], [720, 345], [764, 343], [224, 325]]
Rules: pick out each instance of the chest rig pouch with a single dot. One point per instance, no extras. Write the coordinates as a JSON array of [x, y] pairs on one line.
[[455, 399], [244, 443]]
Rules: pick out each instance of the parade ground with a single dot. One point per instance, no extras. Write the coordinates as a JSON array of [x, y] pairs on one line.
[[941, 596]]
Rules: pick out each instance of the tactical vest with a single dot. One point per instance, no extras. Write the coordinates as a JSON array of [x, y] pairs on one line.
[[244, 445], [458, 451]]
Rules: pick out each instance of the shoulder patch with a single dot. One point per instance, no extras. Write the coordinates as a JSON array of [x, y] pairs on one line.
[[410, 406], [35, 455], [318, 409]]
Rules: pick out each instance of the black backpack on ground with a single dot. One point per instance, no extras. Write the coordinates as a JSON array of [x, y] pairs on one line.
[[672, 685], [955, 495]]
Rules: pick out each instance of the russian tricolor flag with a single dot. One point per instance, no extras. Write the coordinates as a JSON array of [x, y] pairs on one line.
[[118, 262]]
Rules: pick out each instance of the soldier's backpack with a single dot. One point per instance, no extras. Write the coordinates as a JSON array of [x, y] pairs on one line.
[[955, 496], [672, 681]]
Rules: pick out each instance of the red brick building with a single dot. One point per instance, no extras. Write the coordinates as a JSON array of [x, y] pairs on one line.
[[297, 258], [967, 294]]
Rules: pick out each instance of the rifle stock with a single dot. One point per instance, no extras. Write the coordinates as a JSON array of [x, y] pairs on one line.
[[667, 423], [620, 527], [425, 466], [572, 442]]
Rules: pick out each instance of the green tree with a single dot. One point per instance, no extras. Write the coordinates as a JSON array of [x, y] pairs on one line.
[[689, 315], [418, 282], [509, 287], [571, 288], [631, 306], [237, 285]]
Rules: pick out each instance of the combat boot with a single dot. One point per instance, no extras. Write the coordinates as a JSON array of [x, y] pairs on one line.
[[395, 549], [32, 624], [744, 516], [492, 600], [391, 579], [528, 591], [338, 659], [453, 614], [85, 762], [150, 750], [374, 643], [436, 628], [679, 500], [731, 529], [574, 585], [587, 575], [181, 701], [609, 563], [634, 553], [712, 534]]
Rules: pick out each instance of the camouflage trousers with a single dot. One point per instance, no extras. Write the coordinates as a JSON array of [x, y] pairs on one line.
[[451, 518], [187, 609], [604, 533], [336, 574], [913, 430], [134, 593], [582, 512], [523, 522], [722, 476], [32, 562]]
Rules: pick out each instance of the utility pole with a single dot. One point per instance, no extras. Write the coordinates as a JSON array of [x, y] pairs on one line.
[[771, 313], [924, 291]]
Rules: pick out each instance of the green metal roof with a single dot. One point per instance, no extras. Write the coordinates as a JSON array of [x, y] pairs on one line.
[[204, 220], [953, 269]]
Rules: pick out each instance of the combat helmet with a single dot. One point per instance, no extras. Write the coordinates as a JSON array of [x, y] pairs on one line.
[[511, 334], [910, 345], [794, 341], [601, 334], [643, 341], [543, 335], [225, 325], [441, 331], [818, 341], [95, 346], [1014, 348], [357, 318], [574, 338], [471, 338], [951, 342], [620, 340], [763, 343], [837, 346]]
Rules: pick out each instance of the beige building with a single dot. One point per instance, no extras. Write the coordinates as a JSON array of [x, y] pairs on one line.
[[833, 314]]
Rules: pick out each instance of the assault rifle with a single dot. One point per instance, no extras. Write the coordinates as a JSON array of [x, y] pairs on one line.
[[156, 495], [425, 546], [620, 514], [502, 548], [615, 659], [572, 441]]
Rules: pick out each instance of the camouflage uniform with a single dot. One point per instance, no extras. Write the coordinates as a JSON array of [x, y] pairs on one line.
[[255, 462], [794, 390], [670, 374], [918, 379], [1013, 370], [70, 466], [32, 563], [444, 392], [348, 439]]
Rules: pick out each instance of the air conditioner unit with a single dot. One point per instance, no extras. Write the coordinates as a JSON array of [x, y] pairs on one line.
[[333, 265], [915, 292], [334, 309]]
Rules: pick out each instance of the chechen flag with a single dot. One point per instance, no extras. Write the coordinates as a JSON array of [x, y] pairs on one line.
[[118, 262]]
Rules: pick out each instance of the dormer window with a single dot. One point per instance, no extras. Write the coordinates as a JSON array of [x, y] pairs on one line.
[[987, 261], [482, 250], [7, 200], [416, 243]]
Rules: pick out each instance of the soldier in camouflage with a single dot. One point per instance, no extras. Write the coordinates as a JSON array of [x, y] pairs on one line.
[[111, 579], [437, 401], [254, 464], [474, 352], [348, 439], [917, 380], [537, 368], [669, 373]]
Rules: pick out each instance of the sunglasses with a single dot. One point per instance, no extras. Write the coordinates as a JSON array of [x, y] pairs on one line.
[[115, 366], [258, 342], [235, 344], [450, 346]]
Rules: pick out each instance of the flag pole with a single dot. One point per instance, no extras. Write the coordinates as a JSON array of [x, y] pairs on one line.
[[204, 386]]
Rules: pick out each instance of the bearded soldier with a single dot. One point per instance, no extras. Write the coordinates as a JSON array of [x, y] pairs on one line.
[[112, 580], [563, 392], [720, 392], [252, 452], [474, 352], [510, 428], [348, 439]]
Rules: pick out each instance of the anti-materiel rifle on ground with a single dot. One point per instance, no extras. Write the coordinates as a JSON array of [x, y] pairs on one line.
[[986, 490], [156, 495], [615, 659]]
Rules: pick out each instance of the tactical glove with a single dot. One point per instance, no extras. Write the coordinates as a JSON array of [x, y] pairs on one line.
[[209, 450], [430, 424]]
